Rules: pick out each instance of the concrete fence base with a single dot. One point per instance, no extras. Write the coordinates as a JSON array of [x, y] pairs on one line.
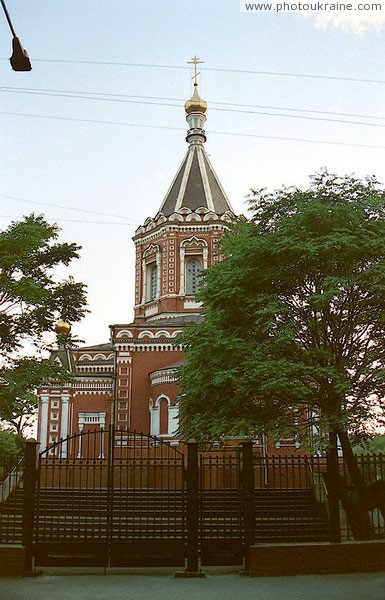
[[317, 558], [12, 560]]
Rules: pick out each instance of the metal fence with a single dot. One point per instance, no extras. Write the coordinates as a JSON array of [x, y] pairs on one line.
[[116, 498], [293, 499], [363, 517], [290, 500], [130, 499], [220, 506], [11, 505]]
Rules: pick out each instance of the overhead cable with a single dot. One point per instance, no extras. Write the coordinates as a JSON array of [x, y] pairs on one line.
[[163, 127]]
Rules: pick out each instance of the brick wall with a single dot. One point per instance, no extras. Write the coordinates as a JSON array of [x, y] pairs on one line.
[[12, 561], [306, 559]]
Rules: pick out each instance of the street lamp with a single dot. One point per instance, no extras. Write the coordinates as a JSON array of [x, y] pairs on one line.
[[19, 59]]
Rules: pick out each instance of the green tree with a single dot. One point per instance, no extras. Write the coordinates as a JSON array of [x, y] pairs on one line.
[[18, 400], [11, 450], [294, 329], [372, 445], [31, 301]]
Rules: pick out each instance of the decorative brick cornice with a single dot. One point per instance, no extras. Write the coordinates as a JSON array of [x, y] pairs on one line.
[[166, 376]]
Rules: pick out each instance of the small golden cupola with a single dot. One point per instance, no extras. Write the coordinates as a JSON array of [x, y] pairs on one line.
[[62, 328], [196, 109], [196, 104]]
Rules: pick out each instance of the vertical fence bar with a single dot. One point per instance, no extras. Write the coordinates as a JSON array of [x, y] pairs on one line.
[[333, 486], [110, 495], [192, 512], [30, 476], [248, 500], [380, 491]]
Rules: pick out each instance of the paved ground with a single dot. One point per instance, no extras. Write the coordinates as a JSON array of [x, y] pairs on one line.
[[220, 584]]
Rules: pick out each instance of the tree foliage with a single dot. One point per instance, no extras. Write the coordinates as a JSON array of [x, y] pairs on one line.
[[11, 450], [18, 400], [372, 445], [294, 327], [31, 302]]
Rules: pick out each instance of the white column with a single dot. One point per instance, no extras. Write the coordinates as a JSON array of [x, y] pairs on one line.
[[158, 273], [43, 422], [154, 410], [144, 282], [64, 423], [101, 441], [205, 257], [182, 270], [297, 438], [80, 440], [173, 419]]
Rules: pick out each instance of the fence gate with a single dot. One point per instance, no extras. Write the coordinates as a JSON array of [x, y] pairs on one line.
[[110, 498], [120, 498], [221, 507]]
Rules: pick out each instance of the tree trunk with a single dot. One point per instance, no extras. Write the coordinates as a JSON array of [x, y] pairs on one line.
[[362, 527]]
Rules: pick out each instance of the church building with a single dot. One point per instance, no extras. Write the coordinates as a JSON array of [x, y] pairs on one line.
[[130, 381]]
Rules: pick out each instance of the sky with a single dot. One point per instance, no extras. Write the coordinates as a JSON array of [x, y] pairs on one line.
[[93, 136]]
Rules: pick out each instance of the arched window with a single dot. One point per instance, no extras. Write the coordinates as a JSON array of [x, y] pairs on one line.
[[193, 275], [163, 417], [152, 282]]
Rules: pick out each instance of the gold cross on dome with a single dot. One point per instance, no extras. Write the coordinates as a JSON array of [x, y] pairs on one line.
[[195, 61]]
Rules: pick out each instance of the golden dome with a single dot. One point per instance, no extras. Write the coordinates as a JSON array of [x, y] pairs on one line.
[[62, 328], [195, 104]]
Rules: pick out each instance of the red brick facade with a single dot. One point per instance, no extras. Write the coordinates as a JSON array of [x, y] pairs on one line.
[[131, 381]]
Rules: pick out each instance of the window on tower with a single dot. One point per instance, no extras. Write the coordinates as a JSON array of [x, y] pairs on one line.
[[152, 282], [193, 275]]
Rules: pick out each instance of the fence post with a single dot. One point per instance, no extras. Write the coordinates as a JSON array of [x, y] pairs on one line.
[[247, 480], [333, 485], [29, 485], [192, 513], [110, 493]]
